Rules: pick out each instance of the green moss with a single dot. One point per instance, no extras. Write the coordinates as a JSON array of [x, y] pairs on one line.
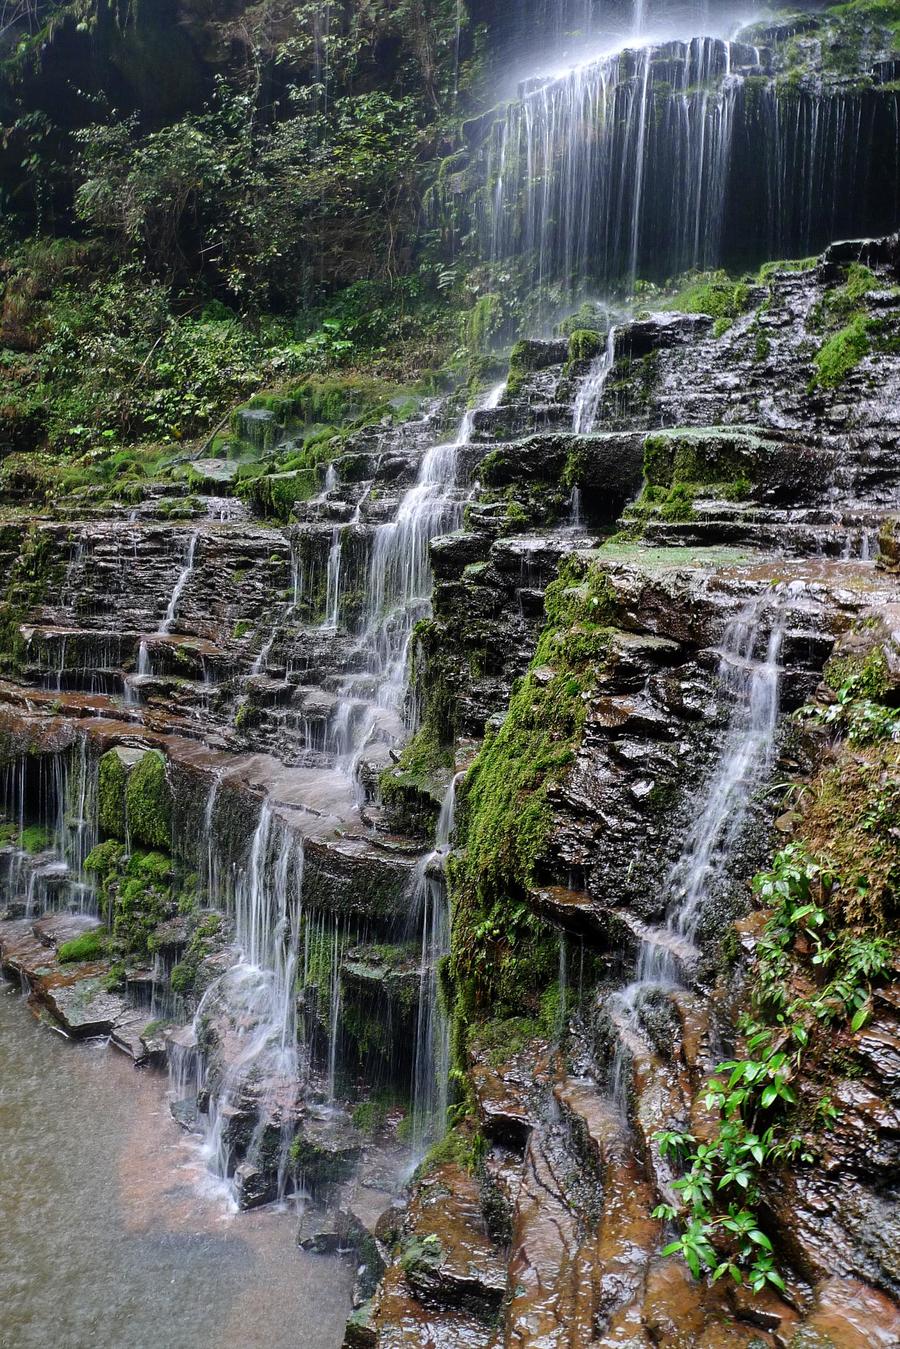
[[422, 771], [370, 1116], [37, 572], [481, 327], [865, 676], [842, 352], [89, 946], [701, 455], [105, 859], [505, 818], [151, 866], [841, 302], [202, 943], [317, 1165], [113, 779], [713, 293], [499, 1040], [584, 345], [275, 495], [456, 1148], [769, 270], [148, 802], [35, 838]]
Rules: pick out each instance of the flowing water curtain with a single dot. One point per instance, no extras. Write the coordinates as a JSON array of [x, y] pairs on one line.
[[585, 172], [659, 159]]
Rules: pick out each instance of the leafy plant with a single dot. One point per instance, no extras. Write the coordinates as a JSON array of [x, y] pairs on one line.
[[755, 1095]]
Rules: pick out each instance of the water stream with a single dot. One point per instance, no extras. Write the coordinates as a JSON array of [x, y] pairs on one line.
[[144, 666], [589, 401], [257, 1069], [430, 913], [750, 676]]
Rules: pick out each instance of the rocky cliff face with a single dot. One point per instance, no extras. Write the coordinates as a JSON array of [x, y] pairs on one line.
[[208, 769]]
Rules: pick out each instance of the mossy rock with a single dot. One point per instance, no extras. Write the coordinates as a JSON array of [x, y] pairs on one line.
[[113, 779], [889, 545], [89, 946], [842, 352], [584, 345], [116, 767], [148, 802], [529, 356]]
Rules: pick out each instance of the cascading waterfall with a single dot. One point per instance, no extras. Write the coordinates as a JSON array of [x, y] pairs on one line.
[[58, 795], [753, 683], [656, 159], [255, 1071], [398, 594], [589, 401], [144, 666], [333, 580], [256, 997], [429, 911], [178, 591]]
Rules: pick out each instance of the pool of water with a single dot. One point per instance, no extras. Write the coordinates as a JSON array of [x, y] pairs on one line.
[[109, 1235]]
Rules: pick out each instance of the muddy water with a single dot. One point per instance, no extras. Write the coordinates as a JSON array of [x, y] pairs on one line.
[[106, 1235]]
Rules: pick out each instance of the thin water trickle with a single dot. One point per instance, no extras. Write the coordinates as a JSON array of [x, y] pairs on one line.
[[752, 682], [589, 401], [144, 662], [180, 584]]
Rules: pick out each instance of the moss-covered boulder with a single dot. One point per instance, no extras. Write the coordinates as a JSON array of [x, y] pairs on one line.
[[148, 802], [736, 461], [584, 345], [113, 779]]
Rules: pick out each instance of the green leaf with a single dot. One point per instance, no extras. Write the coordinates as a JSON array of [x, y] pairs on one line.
[[760, 1238], [860, 1018]]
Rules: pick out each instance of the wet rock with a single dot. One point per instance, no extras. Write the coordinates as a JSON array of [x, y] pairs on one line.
[[82, 1005], [252, 1186], [186, 1114], [325, 1150], [852, 1315], [447, 1258]]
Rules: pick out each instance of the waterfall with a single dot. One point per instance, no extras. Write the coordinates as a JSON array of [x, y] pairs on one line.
[[752, 681], [429, 910], [658, 158], [57, 797], [144, 664], [243, 1053], [590, 395], [398, 594], [183, 578], [333, 580], [253, 1071]]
